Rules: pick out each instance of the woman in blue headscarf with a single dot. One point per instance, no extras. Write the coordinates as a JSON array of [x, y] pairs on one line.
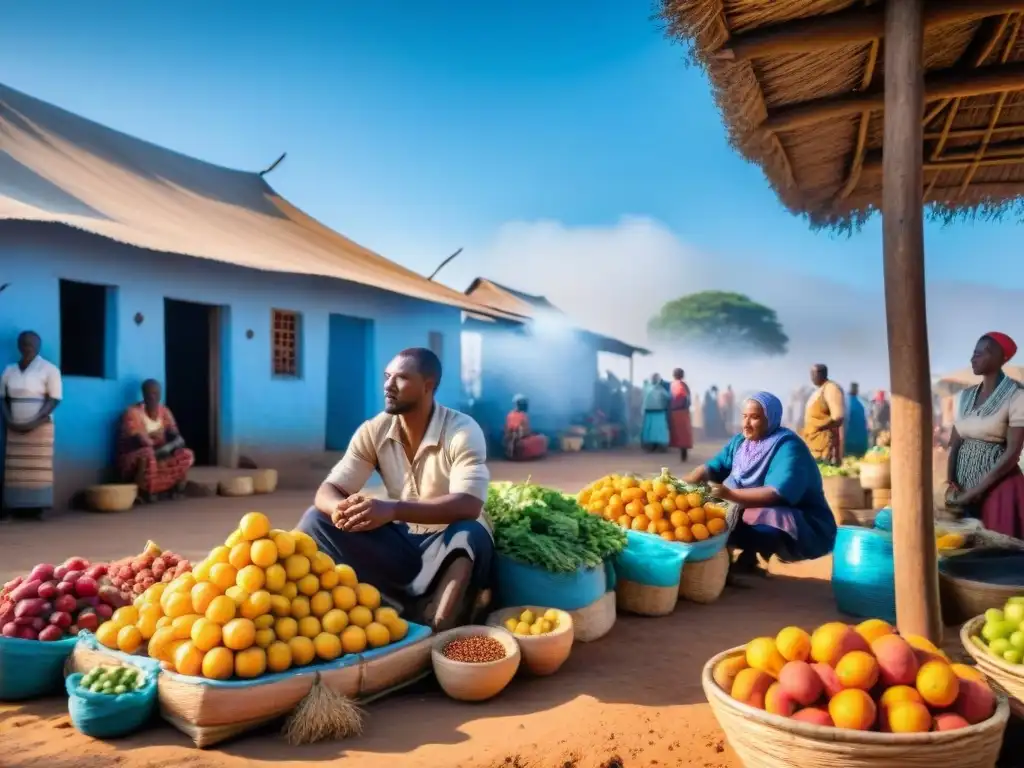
[[769, 472]]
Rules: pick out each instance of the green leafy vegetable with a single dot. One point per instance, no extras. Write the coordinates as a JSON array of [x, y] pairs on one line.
[[548, 529]]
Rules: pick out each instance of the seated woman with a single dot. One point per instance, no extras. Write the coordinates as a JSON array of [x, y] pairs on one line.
[[151, 451], [521, 444], [769, 472], [984, 475]]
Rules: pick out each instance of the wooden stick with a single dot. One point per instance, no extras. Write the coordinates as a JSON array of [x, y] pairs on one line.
[[973, 133], [854, 25], [938, 85], [862, 129], [946, 126], [917, 581]]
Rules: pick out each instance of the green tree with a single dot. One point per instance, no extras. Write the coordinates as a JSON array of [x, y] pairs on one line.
[[720, 320]]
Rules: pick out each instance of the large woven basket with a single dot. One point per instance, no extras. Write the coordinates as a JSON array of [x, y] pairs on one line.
[[875, 476], [704, 581], [770, 741], [1008, 677], [645, 600]]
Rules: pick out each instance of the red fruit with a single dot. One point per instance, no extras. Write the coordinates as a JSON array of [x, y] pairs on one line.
[[815, 716], [25, 591], [138, 589], [42, 572], [38, 622], [60, 572], [97, 571], [829, 679], [86, 587], [61, 619], [65, 588], [73, 629], [48, 590], [51, 634], [159, 562], [72, 576], [30, 607], [949, 721], [11, 585], [145, 573], [110, 595], [27, 633], [105, 611], [65, 603], [10, 629], [89, 620], [126, 572], [975, 703], [76, 563]]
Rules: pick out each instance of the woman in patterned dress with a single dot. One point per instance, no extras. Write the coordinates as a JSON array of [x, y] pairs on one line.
[[151, 450], [984, 476]]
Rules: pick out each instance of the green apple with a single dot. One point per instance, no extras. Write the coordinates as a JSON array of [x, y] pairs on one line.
[[999, 646], [1017, 640], [994, 616], [1014, 612], [1007, 628], [1016, 600], [1013, 656]]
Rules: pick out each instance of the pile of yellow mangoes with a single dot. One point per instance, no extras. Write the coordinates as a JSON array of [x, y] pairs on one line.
[[662, 506], [265, 601]]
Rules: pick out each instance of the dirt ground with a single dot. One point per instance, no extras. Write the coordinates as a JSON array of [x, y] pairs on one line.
[[630, 699]]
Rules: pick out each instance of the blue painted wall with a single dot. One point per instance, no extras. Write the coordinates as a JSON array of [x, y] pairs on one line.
[[261, 416]]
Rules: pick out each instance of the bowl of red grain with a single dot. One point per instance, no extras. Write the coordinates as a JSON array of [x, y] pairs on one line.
[[475, 663]]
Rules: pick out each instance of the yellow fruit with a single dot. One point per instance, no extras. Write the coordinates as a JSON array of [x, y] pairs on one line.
[[377, 635], [239, 634], [163, 621], [694, 500], [527, 617], [361, 616], [266, 621], [353, 640], [276, 577], [304, 544], [202, 595], [762, 654], [178, 604], [300, 607], [320, 562], [280, 605], [522, 628], [290, 590], [794, 644], [188, 660], [200, 571], [303, 650], [129, 614], [218, 664], [385, 615], [154, 593], [221, 610], [233, 538], [239, 556], [223, 575], [256, 605], [346, 575], [308, 585], [321, 603], [334, 621], [218, 555], [107, 633], [263, 553], [700, 531], [398, 629], [182, 625], [254, 525], [327, 646], [683, 533], [205, 634], [511, 624], [250, 663], [344, 598], [159, 644], [329, 579], [368, 596], [129, 639], [251, 578], [715, 526], [296, 566], [872, 629], [284, 542], [286, 628], [279, 656], [237, 594], [264, 637], [309, 626]]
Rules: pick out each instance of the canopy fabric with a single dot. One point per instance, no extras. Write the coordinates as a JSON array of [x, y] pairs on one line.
[[58, 167]]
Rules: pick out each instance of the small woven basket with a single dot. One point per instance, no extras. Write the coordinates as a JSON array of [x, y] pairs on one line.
[[962, 598], [645, 600], [770, 741], [704, 582], [113, 497], [1006, 676]]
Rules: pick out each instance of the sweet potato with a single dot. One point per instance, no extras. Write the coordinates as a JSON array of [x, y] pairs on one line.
[[26, 591], [72, 576], [48, 590], [42, 572], [31, 607], [51, 634]]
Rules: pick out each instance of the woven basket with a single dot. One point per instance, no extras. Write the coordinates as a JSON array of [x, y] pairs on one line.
[[572, 443], [236, 486], [843, 493], [704, 582], [264, 480], [1007, 677], [645, 600], [881, 498], [863, 575], [111, 498], [875, 476], [963, 599], [594, 621], [770, 741]]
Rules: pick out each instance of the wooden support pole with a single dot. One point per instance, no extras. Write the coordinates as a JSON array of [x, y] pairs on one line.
[[851, 26], [917, 583]]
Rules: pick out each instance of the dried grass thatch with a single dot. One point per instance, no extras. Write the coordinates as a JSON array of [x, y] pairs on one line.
[[829, 167]]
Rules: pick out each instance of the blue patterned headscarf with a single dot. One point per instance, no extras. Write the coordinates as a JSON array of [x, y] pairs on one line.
[[752, 458]]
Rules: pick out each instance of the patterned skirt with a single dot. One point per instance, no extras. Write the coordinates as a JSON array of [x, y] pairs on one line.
[[28, 469]]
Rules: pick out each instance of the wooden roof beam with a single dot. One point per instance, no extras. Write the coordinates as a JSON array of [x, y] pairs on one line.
[[854, 25], [938, 85]]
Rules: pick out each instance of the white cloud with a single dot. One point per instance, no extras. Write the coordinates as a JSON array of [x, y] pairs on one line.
[[613, 279]]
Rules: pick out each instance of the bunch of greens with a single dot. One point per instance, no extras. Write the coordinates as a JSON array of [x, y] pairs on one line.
[[546, 528], [831, 470]]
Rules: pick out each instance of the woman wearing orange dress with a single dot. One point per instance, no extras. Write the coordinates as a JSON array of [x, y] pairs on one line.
[[522, 444], [679, 426]]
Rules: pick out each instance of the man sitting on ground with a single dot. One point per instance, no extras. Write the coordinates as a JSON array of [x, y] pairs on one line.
[[427, 547]]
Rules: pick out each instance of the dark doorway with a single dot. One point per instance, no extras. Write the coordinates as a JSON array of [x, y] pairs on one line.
[[192, 374], [348, 360]]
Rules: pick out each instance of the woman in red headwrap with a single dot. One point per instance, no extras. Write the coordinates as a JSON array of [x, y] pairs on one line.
[[984, 472]]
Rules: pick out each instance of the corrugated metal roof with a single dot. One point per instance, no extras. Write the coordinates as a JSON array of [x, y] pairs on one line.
[[58, 167]]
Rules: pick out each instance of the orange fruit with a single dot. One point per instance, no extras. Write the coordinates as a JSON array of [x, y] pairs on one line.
[[129, 639], [872, 629], [353, 639], [668, 535], [182, 625], [763, 654], [256, 605], [640, 523], [107, 634], [625, 521], [303, 650], [296, 566], [188, 660], [218, 555], [178, 604], [286, 628], [794, 644], [276, 577], [205, 634], [327, 646], [660, 526], [938, 684], [696, 515], [223, 575], [221, 610], [263, 553], [635, 508], [304, 544], [250, 663], [715, 526], [218, 664], [202, 595], [679, 519], [700, 531], [683, 533], [857, 669], [654, 512], [251, 578], [852, 709], [344, 597], [308, 585], [279, 657], [908, 717], [668, 505], [694, 500], [284, 542], [239, 634], [254, 525], [239, 555]]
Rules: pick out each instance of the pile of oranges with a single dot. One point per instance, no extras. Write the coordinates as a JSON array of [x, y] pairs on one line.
[[662, 506], [265, 601]]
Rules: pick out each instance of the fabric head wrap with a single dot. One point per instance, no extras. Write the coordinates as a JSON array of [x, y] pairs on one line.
[[1005, 343]]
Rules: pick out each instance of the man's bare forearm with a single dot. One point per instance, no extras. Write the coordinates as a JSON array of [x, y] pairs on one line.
[[328, 496], [443, 510]]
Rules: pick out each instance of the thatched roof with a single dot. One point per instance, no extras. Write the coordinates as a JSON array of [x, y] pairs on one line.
[[799, 83]]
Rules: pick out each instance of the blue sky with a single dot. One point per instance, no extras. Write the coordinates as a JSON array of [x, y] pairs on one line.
[[417, 128]]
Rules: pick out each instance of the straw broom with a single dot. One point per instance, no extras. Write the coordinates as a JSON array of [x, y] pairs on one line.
[[323, 714]]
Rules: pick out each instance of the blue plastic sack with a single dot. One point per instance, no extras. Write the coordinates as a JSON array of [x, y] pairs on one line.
[[521, 584], [863, 575], [650, 560], [883, 520], [105, 716], [32, 668]]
